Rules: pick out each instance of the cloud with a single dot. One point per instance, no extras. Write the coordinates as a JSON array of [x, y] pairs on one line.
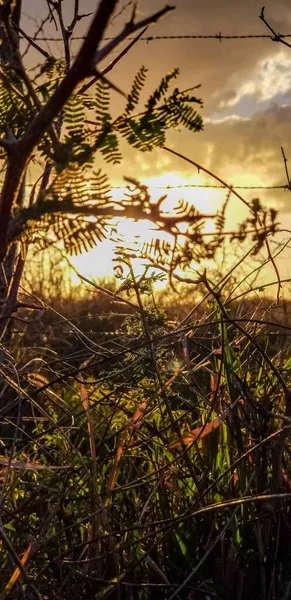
[[253, 143], [245, 152], [270, 80]]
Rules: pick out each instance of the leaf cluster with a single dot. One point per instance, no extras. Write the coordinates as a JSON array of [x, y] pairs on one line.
[[76, 208]]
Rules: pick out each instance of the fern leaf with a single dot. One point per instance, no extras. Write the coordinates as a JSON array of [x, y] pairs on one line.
[[137, 86], [102, 104], [74, 116], [106, 140], [161, 90], [100, 187]]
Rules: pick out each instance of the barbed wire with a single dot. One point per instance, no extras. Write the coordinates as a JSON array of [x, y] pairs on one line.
[[151, 38], [211, 186], [201, 186]]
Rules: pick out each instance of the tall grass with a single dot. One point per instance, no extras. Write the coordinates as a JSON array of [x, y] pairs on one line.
[[145, 456]]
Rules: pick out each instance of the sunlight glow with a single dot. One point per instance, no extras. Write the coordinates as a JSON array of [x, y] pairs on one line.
[[99, 262]]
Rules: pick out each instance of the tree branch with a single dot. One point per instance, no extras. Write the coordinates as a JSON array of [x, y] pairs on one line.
[[137, 213], [23, 148], [31, 42], [201, 168], [116, 60], [130, 28], [277, 37], [87, 58]]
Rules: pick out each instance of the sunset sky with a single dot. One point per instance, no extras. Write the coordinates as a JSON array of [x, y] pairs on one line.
[[246, 92]]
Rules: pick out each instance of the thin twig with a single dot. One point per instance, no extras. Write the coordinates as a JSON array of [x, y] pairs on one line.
[[276, 36], [114, 62], [286, 168], [200, 167]]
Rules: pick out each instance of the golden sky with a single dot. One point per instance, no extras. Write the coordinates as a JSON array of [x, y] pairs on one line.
[[246, 91]]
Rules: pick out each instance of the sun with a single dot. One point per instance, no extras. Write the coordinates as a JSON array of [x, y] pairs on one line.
[[99, 262]]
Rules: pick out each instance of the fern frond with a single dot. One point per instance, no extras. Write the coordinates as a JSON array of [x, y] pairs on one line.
[[102, 104], [137, 86], [185, 208], [106, 140], [161, 90], [107, 143], [76, 233], [80, 186], [100, 187], [71, 182], [82, 235], [148, 130], [176, 113], [157, 249], [74, 117], [50, 73], [15, 109], [145, 134]]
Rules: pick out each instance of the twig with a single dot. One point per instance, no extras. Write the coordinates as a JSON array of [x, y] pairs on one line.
[[277, 37], [200, 167], [113, 62], [33, 43], [121, 11], [101, 289], [35, 37], [286, 169], [130, 27]]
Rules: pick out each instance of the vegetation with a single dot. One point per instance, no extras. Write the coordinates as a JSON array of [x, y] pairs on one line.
[[145, 453]]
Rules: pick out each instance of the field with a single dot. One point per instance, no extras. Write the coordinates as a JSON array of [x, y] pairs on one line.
[[149, 445]]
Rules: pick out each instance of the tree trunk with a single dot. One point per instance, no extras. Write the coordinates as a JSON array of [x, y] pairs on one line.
[[10, 13]]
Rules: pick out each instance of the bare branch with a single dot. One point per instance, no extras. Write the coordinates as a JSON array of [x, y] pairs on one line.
[[113, 62], [129, 29], [277, 37], [121, 11], [201, 168], [36, 34], [31, 42], [77, 17], [64, 32], [285, 159]]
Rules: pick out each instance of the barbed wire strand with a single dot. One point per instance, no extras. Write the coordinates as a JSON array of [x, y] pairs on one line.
[[151, 38], [203, 186], [207, 186]]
